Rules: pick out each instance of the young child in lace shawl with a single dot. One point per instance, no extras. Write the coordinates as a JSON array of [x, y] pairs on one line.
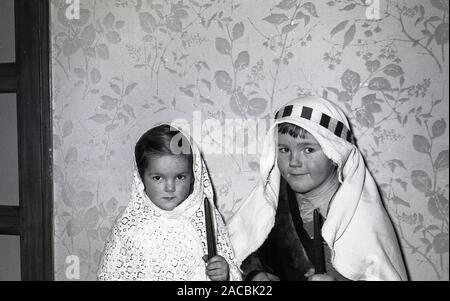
[[162, 233]]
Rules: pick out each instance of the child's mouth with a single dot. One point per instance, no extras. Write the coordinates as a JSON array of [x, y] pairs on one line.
[[298, 175]]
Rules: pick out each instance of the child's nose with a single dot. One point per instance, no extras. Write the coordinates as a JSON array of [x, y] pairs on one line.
[[295, 160], [169, 186]]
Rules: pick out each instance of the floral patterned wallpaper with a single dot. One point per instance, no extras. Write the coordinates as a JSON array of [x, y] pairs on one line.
[[125, 65]]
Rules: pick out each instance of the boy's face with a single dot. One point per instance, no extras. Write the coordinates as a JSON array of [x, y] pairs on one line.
[[167, 180], [302, 162]]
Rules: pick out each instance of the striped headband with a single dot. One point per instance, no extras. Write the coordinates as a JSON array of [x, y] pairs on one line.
[[331, 124]]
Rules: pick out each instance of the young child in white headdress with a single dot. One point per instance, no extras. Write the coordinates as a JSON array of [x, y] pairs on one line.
[[162, 234], [310, 162]]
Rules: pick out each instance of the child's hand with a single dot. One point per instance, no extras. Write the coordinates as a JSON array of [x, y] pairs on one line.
[[217, 268], [264, 276], [318, 277]]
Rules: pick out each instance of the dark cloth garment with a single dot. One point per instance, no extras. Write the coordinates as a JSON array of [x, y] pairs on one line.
[[309, 227], [283, 253]]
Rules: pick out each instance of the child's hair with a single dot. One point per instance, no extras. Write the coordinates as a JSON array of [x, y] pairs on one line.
[[293, 130], [161, 140]]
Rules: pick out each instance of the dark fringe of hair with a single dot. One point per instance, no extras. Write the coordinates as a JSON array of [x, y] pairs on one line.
[[159, 141], [293, 130]]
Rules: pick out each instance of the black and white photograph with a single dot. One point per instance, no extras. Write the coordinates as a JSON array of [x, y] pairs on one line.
[[224, 141]]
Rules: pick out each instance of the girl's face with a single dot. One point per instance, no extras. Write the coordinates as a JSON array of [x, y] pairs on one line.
[[167, 180], [302, 162]]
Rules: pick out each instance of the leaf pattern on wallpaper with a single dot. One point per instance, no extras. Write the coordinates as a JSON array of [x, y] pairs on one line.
[[127, 64], [288, 19], [387, 95], [90, 37]]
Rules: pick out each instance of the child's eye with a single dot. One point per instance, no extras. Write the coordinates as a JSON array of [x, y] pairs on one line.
[[181, 177], [283, 150], [156, 178], [309, 150]]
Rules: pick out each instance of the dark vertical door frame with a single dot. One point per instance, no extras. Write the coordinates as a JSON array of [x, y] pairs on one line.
[[29, 78], [34, 138]]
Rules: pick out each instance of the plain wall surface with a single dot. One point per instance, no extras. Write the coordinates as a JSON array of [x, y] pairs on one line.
[[9, 175], [7, 35], [9, 258], [9, 165]]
